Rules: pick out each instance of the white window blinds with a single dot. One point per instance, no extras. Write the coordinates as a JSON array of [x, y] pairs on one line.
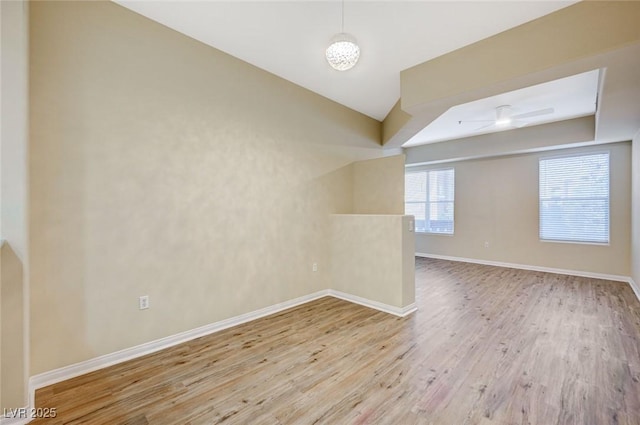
[[429, 197], [574, 198]]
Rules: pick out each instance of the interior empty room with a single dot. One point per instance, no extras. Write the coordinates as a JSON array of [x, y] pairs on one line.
[[320, 212]]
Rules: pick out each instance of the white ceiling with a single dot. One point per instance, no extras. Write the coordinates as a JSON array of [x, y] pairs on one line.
[[288, 38], [570, 97]]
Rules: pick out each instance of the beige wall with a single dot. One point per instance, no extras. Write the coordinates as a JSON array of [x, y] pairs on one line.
[[372, 257], [161, 166], [13, 211], [394, 122], [496, 201], [635, 210], [378, 186], [1, 333], [12, 360]]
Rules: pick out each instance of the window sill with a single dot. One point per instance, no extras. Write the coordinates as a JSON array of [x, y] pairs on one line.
[[577, 242]]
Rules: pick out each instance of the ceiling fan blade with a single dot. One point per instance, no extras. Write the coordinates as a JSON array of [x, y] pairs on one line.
[[470, 121], [493, 124], [533, 113]]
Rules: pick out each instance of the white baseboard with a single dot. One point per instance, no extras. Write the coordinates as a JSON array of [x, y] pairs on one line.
[[4, 420], [14, 421], [62, 374], [615, 277], [396, 311], [635, 287]]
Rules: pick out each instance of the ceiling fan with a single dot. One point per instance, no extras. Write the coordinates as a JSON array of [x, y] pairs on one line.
[[506, 119]]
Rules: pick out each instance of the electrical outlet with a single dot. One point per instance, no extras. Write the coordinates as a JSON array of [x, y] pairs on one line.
[[314, 267], [143, 302], [486, 244]]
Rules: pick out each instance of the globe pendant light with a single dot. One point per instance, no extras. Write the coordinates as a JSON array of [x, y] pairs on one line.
[[343, 52]]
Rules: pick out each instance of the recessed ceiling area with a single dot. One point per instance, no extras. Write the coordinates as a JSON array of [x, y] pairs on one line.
[[557, 100], [289, 38]]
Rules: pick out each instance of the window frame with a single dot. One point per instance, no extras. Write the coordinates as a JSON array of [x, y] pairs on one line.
[[579, 242], [427, 203]]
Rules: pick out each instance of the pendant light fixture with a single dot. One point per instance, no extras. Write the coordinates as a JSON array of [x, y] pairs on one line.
[[343, 52]]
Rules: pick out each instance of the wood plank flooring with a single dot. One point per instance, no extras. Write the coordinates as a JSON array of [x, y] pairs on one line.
[[487, 346]]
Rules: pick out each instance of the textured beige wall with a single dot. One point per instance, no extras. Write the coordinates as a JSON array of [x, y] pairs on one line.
[[1, 333], [12, 330], [394, 122], [370, 255], [161, 166], [635, 210], [378, 186], [408, 261], [13, 213], [496, 201]]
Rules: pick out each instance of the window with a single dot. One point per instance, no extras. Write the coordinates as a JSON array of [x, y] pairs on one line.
[[429, 198], [574, 198]]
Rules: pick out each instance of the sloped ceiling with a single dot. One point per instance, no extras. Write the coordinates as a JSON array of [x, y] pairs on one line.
[[427, 57], [580, 38], [288, 38]]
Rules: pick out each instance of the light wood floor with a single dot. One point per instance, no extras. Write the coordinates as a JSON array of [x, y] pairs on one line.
[[487, 346]]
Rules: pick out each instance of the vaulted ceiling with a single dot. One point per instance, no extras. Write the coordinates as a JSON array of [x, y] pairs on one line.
[[427, 64], [289, 38]]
